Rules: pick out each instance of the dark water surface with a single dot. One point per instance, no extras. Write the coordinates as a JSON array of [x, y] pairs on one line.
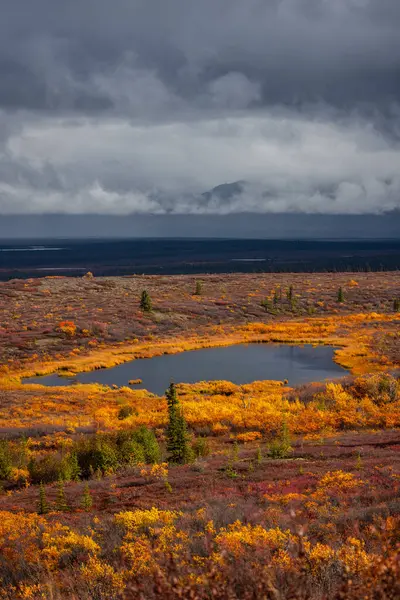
[[24, 258], [240, 364]]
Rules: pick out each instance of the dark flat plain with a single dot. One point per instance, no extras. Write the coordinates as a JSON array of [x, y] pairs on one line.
[[33, 258]]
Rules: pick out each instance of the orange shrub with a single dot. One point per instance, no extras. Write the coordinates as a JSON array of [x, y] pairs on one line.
[[68, 328]]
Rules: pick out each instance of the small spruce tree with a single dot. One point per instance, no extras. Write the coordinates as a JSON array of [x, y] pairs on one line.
[[358, 461], [340, 296], [396, 305], [267, 306], [21, 453], [61, 500], [281, 447], [179, 451], [74, 466], [86, 500], [199, 288], [285, 437], [235, 451], [5, 459], [289, 293], [145, 302], [43, 507]]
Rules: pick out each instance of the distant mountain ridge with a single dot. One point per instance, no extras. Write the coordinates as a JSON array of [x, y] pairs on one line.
[[225, 191]]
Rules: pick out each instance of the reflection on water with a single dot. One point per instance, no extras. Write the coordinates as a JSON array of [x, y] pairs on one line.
[[239, 364]]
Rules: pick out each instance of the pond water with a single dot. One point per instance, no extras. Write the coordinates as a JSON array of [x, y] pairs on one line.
[[240, 364]]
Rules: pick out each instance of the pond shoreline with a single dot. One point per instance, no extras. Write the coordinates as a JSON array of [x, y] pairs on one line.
[[240, 364], [354, 353]]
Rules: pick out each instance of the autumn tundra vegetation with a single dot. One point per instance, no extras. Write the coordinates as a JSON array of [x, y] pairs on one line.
[[214, 490]]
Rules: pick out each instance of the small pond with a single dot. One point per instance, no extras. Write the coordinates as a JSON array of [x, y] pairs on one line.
[[240, 364]]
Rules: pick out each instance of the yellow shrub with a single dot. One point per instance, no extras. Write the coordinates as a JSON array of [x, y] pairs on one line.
[[134, 520], [101, 578], [249, 436], [354, 557], [236, 537], [61, 543]]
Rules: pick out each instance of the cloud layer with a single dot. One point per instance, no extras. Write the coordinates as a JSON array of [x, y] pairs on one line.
[[141, 106]]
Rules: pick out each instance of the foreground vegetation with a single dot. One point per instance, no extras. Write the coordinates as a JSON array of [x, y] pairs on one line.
[[216, 490]]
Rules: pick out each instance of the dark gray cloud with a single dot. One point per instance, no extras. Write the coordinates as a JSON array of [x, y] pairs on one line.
[[143, 105], [86, 55]]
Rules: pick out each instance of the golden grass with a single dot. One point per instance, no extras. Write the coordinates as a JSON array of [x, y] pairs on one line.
[[98, 406], [351, 333]]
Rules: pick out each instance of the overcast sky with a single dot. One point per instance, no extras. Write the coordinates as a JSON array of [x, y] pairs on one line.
[[140, 106]]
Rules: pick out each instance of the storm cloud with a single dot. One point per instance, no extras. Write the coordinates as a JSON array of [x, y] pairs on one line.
[[149, 107]]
